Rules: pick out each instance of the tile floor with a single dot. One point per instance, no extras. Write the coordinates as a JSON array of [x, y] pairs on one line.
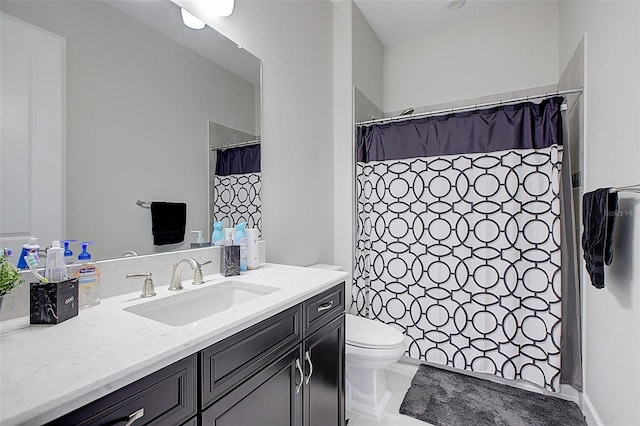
[[399, 377]]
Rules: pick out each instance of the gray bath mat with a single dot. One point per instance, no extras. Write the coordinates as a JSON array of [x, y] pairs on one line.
[[445, 398]]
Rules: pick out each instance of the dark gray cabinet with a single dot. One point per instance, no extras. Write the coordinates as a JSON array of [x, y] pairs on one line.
[[270, 398], [324, 382], [303, 386], [287, 370]]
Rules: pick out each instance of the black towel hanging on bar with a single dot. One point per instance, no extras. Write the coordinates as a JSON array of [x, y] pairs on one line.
[[599, 209], [168, 222]]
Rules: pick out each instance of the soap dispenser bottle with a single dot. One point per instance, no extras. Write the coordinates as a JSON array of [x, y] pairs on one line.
[[69, 260], [88, 276], [240, 239], [217, 236], [31, 247], [199, 240]]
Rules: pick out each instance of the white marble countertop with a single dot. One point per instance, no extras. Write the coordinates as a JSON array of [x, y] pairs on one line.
[[48, 371]]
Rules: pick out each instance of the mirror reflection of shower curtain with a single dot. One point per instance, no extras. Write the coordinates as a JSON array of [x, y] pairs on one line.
[[237, 187], [458, 238]]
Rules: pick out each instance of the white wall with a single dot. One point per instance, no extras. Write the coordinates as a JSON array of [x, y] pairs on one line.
[[368, 53], [138, 106], [343, 158], [294, 41], [612, 156], [514, 50]]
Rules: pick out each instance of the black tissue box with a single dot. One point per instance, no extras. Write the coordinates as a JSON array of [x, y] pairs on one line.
[[229, 260], [52, 303]]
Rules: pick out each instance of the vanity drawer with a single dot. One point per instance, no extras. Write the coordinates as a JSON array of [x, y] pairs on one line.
[[323, 308], [166, 397], [228, 363]]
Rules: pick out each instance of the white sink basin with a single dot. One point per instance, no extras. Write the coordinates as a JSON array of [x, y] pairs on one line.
[[186, 308]]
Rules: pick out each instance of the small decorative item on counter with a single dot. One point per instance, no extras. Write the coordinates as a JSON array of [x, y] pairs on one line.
[[54, 299], [9, 276], [229, 261], [52, 303]]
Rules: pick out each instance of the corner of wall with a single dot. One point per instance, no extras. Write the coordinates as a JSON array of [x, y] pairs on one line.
[[589, 411]]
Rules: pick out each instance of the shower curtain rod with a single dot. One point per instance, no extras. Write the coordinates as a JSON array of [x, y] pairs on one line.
[[469, 107], [235, 145]]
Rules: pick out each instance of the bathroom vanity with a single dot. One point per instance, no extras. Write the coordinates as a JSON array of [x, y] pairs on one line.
[[277, 359]]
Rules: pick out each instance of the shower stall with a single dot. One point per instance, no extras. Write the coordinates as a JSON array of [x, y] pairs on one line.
[[465, 238]]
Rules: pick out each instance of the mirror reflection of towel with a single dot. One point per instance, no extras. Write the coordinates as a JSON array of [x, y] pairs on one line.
[[168, 222]]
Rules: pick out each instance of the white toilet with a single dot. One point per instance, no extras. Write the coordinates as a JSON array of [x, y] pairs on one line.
[[370, 347]]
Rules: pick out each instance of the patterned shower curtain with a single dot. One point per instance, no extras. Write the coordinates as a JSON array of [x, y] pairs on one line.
[[458, 237], [237, 187]]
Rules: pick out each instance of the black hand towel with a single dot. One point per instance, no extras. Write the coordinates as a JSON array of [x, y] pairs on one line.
[[168, 222], [599, 210]]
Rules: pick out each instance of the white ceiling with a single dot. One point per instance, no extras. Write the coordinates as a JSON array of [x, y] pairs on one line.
[[396, 21]]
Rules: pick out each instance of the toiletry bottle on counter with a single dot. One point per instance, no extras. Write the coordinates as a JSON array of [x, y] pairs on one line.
[[199, 240], [240, 239], [69, 260], [31, 247], [217, 236], [253, 256], [55, 270], [88, 276]]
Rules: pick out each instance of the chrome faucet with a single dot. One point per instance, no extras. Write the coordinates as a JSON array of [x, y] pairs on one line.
[[147, 287], [176, 276]]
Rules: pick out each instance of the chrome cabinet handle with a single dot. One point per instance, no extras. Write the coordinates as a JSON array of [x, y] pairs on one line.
[[306, 355], [135, 416], [301, 375], [325, 306]]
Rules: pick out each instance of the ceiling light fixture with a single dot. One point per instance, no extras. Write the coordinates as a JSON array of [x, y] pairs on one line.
[[221, 7], [455, 4], [191, 21]]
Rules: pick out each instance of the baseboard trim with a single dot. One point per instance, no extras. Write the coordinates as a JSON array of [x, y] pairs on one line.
[[589, 411]]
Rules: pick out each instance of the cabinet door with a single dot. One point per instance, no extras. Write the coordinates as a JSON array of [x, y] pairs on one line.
[[166, 397], [272, 397], [324, 376]]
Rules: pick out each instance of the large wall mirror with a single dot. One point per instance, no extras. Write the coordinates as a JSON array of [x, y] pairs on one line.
[[151, 107]]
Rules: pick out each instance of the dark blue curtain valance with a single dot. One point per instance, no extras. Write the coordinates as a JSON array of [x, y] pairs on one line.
[[238, 161], [520, 126]]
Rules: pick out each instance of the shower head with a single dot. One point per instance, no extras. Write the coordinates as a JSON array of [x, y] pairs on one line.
[[407, 111]]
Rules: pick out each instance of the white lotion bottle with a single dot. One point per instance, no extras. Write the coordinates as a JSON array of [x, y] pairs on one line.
[[55, 270], [253, 254]]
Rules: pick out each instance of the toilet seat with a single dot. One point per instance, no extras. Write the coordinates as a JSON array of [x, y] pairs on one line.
[[370, 334]]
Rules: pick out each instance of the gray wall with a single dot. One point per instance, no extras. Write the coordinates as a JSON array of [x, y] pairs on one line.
[[611, 316], [368, 54]]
